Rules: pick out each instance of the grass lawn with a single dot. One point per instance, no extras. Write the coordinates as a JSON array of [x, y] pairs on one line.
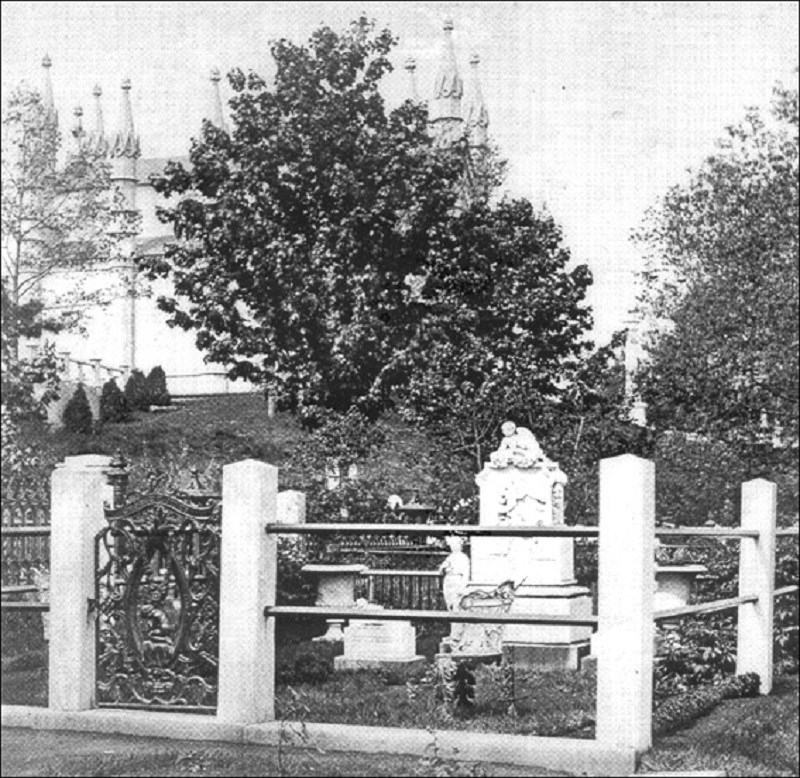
[[548, 703], [756, 736], [230, 428]]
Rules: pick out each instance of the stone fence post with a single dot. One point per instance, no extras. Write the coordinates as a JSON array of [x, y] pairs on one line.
[[757, 576], [78, 491], [625, 602], [247, 583]]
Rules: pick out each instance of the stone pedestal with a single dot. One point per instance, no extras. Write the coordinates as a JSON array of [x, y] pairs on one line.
[[674, 585], [336, 587], [521, 487]]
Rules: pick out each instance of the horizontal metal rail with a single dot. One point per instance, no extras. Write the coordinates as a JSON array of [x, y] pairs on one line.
[[707, 532], [25, 606], [565, 531], [409, 573], [431, 529], [787, 532], [457, 617], [705, 607], [786, 590], [21, 589], [40, 530]]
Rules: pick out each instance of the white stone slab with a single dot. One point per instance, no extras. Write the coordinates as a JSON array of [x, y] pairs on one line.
[[380, 640]]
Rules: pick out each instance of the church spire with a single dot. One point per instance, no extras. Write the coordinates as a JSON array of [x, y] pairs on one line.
[[47, 91], [216, 116], [447, 92], [126, 142], [411, 69], [477, 117], [96, 141]]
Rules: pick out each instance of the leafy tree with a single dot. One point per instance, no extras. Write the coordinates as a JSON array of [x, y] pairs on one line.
[[113, 405], [306, 233], [500, 325], [136, 391], [77, 416], [722, 267], [57, 212], [157, 392]]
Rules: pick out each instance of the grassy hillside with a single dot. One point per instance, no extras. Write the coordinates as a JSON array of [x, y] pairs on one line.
[[210, 432]]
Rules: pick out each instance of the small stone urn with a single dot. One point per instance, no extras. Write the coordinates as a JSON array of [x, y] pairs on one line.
[[336, 588]]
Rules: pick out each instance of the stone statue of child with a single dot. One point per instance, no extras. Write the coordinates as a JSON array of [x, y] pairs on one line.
[[519, 447], [456, 569]]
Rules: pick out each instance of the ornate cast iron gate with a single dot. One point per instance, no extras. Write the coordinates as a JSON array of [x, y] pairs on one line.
[[157, 566]]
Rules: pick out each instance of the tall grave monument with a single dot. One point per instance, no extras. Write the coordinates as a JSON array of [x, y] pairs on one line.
[[521, 487]]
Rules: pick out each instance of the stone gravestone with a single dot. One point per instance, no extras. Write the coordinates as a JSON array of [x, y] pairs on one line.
[[521, 487], [371, 644]]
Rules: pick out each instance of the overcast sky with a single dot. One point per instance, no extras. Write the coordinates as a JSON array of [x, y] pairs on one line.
[[597, 106]]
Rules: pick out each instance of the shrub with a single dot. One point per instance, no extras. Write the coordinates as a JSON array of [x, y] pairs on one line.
[[77, 416], [113, 405], [157, 393], [313, 664], [699, 651], [678, 711], [136, 391]]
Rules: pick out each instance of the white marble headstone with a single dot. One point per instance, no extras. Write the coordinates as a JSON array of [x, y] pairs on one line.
[[520, 486]]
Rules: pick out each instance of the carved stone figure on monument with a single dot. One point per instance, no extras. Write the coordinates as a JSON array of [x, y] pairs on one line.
[[519, 448]]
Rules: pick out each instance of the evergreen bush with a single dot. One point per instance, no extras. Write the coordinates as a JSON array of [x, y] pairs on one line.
[[113, 405], [157, 392], [77, 416], [136, 391]]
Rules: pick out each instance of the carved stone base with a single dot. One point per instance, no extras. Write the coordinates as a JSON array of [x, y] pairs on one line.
[[546, 656], [406, 668], [335, 633], [565, 600]]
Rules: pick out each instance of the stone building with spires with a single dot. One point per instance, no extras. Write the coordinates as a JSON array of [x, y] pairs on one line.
[[131, 332]]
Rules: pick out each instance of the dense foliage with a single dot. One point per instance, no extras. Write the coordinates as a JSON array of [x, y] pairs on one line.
[[723, 270], [326, 250], [500, 333]]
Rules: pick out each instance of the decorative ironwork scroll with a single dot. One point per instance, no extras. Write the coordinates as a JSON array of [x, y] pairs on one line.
[[157, 603]]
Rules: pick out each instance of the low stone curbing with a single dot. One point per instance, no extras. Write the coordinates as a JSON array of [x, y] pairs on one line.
[[583, 757]]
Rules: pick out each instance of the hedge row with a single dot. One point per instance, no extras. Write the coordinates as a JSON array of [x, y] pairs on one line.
[[115, 405], [682, 709]]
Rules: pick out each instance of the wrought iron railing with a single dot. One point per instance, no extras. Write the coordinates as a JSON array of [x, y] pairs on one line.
[[25, 528]]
